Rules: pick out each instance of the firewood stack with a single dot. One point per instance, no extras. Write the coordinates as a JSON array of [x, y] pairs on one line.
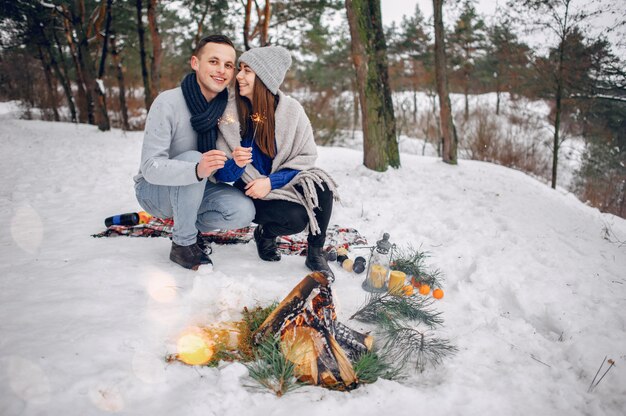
[[321, 348]]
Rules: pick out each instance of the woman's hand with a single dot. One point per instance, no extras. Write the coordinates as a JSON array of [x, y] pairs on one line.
[[259, 188], [242, 156]]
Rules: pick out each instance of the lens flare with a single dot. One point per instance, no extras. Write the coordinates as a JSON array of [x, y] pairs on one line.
[[28, 381], [161, 286], [194, 347], [27, 229]]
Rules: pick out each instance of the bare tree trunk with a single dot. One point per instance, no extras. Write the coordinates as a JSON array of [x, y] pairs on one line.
[[466, 92], [200, 23], [448, 131], [415, 106], [52, 101], [262, 26], [498, 99], [355, 107], [369, 55], [85, 100], [88, 69], [147, 90], [246, 25], [437, 123], [622, 207], [558, 109], [157, 49], [266, 23], [105, 43], [63, 76], [120, 82]]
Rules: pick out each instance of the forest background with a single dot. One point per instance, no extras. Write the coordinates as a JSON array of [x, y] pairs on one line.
[[104, 61]]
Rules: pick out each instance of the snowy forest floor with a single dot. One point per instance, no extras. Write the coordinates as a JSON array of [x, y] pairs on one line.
[[535, 289]]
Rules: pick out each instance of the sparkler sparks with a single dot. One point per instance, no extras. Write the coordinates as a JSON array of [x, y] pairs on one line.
[[227, 118], [257, 118]]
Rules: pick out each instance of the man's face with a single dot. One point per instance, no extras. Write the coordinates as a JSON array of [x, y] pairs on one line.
[[215, 68]]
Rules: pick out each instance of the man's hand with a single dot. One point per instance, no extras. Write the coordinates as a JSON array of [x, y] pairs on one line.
[[210, 162], [259, 188], [242, 156]]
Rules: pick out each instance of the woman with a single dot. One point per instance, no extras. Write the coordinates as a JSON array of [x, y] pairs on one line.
[[269, 141]]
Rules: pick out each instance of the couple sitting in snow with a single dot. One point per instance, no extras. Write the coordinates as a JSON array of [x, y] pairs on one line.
[[201, 136]]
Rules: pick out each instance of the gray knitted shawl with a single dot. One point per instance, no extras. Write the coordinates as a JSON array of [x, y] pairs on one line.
[[295, 149]]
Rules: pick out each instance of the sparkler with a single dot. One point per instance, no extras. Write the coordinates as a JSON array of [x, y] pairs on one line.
[[257, 118]]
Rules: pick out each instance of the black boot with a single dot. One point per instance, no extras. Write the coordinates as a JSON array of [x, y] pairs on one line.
[[190, 257], [266, 247], [204, 246], [316, 260]]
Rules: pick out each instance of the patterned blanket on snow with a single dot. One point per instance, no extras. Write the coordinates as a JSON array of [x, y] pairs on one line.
[[336, 236]]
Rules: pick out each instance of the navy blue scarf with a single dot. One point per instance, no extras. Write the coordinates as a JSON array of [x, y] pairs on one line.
[[204, 114]]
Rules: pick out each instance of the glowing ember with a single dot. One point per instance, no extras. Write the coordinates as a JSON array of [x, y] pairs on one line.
[[194, 348], [257, 118]]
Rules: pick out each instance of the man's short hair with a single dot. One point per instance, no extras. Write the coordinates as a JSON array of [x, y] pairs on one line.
[[212, 39]]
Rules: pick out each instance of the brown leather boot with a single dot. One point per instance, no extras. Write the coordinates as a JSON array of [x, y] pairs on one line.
[[190, 257]]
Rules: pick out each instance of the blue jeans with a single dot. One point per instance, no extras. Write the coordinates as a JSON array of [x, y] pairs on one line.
[[203, 206]]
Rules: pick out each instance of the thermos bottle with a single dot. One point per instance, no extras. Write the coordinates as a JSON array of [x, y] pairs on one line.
[[132, 218]]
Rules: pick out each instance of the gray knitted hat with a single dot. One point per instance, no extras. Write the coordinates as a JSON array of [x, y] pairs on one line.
[[270, 63]]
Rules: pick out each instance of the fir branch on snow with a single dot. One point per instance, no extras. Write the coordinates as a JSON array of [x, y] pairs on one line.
[[411, 261], [271, 369], [253, 318], [404, 344], [401, 342], [370, 366], [382, 308]]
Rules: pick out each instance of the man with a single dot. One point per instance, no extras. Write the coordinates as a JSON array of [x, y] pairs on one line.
[[179, 155]]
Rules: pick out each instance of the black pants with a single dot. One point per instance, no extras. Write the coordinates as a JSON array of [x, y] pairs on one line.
[[286, 218]]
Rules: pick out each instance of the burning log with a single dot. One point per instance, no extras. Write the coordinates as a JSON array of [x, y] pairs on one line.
[[291, 306], [320, 347]]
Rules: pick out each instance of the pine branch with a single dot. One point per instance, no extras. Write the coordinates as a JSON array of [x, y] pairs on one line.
[[412, 262], [252, 320], [404, 344], [370, 366], [271, 369], [383, 309]]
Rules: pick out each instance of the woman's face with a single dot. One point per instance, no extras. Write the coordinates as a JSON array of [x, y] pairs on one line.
[[245, 80]]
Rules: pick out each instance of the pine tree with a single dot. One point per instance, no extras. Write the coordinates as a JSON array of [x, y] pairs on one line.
[[467, 43]]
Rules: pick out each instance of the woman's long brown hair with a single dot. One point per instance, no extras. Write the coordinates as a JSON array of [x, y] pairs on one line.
[[258, 116]]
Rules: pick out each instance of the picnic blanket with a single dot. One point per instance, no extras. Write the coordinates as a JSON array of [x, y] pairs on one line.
[[336, 236]]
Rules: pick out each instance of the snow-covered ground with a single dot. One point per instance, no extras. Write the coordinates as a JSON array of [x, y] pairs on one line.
[[535, 293]]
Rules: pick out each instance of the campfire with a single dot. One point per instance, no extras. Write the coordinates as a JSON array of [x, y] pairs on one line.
[[321, 348], [305, 324], [301, 341]]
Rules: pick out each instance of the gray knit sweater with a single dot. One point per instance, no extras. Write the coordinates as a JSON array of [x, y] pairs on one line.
[[295, 149], [167, 134]]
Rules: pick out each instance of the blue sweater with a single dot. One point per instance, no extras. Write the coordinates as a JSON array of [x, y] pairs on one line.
[[263, 163]]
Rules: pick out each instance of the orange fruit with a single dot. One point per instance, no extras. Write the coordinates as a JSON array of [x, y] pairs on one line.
[[424, 289], [415, 282], [437, 293], [407, 290]]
